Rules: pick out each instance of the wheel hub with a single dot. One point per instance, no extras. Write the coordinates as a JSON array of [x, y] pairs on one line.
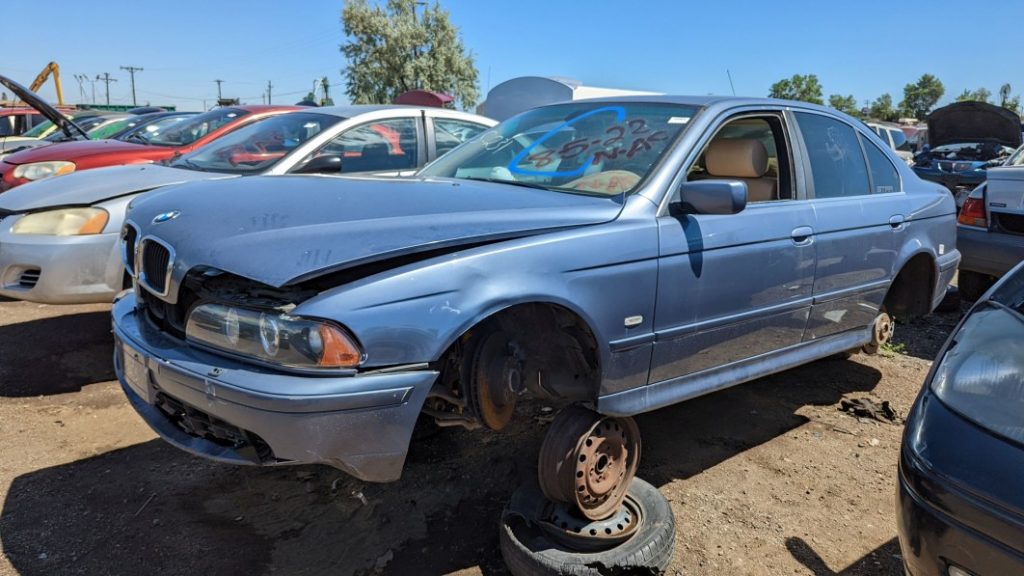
[[588, 460]]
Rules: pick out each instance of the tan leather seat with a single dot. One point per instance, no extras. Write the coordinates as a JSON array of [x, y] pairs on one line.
[[742, 159]]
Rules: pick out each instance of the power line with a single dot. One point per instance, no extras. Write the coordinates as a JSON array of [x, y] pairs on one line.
[[132, 70]]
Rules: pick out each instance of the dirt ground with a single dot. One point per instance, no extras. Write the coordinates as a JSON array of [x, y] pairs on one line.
[[765, 478]]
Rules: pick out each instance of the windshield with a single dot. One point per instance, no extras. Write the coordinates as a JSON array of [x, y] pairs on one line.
[[143, 133], [109, 129], [86, 124], [39, 130], [590, 147], [259, 145], [196, 127]]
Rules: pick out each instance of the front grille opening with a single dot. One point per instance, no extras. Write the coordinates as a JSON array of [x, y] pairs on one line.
[[128, 239], [1011, 223], [199, 424], [155, 258], [29, 278]]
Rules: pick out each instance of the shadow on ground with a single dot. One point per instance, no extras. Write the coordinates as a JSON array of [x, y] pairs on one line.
[[55, 355], [151, 509], [882, 560]]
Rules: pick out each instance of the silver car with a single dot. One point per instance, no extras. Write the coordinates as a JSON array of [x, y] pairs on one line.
[[58, 237]]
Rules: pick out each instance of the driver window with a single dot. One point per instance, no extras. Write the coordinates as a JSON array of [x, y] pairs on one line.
[[382, 146], [751, 149]]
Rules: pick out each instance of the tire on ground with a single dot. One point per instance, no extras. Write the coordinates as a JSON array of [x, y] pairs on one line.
[[528, 551]]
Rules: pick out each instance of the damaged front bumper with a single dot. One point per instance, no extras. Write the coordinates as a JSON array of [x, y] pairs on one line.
[[234, 412]]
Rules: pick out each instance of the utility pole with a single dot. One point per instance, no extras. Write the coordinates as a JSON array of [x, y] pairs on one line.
[[132, 70], [269, 88], [218, 88], [106, 80]]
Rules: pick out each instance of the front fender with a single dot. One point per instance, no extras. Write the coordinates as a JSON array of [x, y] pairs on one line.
[[412, 314]]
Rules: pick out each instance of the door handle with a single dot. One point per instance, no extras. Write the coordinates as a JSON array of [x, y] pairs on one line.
[[802, 235], [897, 221]]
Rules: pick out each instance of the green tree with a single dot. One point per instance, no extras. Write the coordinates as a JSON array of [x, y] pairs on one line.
[[882, 109], [979, 95], [391, 49], [847, 104], [799, 87], [921, 96], [1007, 100]]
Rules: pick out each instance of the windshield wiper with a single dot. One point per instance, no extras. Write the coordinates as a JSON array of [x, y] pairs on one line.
[[512, 182], [137, 137]]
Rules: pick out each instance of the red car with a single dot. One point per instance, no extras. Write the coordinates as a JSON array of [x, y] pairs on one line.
[[66, 157], [15, 121]]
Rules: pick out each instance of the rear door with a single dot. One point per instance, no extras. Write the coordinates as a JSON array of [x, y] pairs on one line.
[[859, 207]]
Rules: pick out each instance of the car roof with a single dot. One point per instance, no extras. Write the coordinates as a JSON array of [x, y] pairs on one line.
[[257, 108], [352, 110]]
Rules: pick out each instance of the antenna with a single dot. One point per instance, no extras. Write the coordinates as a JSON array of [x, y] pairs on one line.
[[729, 74]]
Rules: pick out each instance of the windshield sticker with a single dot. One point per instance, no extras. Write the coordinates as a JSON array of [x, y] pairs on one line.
[[679, 120], [513, 167]]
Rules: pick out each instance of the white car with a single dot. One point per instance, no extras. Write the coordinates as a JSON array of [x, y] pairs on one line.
[[59, 236], [892, 135]]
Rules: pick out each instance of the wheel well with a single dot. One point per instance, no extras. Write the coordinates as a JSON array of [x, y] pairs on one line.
[[911, 292], [552, 349]]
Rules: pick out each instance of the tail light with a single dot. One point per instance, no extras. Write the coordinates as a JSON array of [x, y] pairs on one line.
[[973, 212]]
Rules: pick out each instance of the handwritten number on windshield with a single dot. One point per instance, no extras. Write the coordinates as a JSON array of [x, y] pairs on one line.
[[513, 166]]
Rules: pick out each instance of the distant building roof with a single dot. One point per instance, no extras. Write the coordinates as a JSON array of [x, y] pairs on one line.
[[518, 94]]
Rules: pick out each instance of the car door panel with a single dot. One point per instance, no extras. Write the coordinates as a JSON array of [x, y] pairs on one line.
[[731, 287]]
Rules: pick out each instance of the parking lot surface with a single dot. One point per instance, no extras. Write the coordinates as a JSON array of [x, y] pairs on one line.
[[766, 478]]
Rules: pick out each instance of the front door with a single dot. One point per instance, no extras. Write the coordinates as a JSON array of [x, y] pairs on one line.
[[732, 287]]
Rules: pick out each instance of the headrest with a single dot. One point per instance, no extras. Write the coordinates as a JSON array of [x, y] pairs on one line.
[[736, 158]]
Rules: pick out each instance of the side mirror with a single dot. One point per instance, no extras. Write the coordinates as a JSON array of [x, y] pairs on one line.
[[714, 196], [323, 164]]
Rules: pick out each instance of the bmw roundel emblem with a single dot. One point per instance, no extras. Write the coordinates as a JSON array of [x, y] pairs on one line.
[[160, 218]]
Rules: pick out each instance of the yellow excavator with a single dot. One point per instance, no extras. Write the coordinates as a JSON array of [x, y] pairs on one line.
[[51, 69]]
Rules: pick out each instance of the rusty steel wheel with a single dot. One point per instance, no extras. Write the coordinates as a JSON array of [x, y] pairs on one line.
[[588, 461], [495, 378]]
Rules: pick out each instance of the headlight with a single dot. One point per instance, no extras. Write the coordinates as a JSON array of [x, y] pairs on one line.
[[40, 170], [273, 337], [63, 222], [982, 376]]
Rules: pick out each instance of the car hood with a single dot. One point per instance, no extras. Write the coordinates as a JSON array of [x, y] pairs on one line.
[[76, 151], [973, 122], [92, 186], [281, 230], [48, 112]]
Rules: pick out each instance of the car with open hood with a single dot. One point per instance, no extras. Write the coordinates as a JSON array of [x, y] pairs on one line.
[[609, 257], [67, 157], [59, 236], [964, 140], [58, 121]]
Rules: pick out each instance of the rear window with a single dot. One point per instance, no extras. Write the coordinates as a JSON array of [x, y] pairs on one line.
[[884, 176]]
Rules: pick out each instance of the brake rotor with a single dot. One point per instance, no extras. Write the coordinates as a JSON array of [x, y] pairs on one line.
[[881, 333], [496, 378], [567, 528], [588, 460]]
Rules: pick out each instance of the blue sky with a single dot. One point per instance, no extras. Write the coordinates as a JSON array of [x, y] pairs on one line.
[[675, 46]]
